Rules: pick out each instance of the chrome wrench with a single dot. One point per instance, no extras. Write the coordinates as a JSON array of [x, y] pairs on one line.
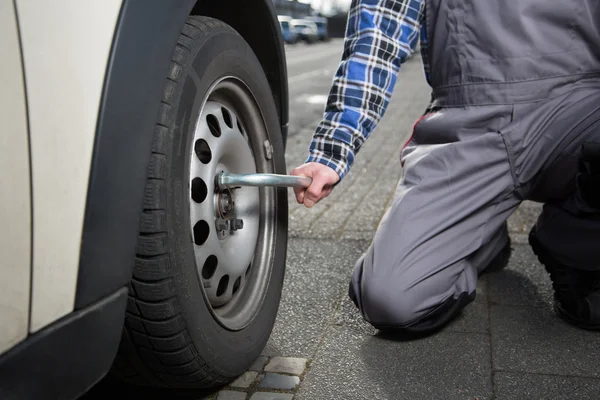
[[228, 180]]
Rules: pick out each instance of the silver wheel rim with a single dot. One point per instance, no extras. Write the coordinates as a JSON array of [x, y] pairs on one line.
[[233, 259]]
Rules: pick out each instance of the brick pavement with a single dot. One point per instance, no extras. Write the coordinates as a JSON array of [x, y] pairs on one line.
[[506, 345]]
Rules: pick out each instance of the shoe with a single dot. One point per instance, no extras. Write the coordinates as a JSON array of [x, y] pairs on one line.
[[576, 292]]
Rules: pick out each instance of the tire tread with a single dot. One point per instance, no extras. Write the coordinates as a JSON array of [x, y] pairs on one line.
[[158, 346]]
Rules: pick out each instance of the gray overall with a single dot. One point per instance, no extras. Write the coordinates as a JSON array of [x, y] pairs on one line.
[[516, 96]]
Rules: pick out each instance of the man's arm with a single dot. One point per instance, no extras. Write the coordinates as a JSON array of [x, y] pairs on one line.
[[378, 39]]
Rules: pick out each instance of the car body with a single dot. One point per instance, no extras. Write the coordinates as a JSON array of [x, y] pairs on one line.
[[322, 27], [307, 31], [82, 88], [289, 34]]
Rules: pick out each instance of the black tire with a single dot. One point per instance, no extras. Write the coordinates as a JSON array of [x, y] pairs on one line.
[[170, 338]]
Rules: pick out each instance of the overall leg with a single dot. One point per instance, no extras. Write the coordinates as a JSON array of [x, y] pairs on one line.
[[446, 223], [566, 237]]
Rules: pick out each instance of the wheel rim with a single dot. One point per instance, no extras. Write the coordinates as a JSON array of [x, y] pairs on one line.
[[233, 258]]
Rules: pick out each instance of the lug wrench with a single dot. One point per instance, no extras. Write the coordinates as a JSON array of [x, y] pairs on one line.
[[228, 180]]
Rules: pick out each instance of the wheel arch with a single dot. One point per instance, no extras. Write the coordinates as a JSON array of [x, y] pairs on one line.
[[145, 36]]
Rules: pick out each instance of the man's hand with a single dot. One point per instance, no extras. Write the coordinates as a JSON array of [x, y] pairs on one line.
[[323, 179]]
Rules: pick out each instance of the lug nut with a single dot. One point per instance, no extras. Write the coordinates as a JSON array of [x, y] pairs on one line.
[[222, 224], [237, 224]]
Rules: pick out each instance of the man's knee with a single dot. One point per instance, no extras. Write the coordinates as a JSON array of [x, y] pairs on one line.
[[421, 308], [412, 311], [388, 307]]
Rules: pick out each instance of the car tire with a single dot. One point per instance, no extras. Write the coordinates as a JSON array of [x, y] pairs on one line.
[[177, 333]]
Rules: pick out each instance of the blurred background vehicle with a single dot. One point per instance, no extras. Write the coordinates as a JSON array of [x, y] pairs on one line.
[[330, 17], [322, 27], [306, 30], [289, 34]]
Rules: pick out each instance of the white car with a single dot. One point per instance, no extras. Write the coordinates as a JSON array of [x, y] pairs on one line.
[[120, 252]]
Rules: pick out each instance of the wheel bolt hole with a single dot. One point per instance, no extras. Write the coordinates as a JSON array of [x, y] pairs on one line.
[[236, 284], [199, 190], [213, 125], [210, 266], [227, 117], [202, 150], [201, 232], [222, 285]]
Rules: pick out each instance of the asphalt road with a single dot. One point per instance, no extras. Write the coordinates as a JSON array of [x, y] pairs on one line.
[[310, 70], [507, 344]]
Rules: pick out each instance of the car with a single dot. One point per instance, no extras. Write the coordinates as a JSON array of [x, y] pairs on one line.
[[322, 27], [122, 256], [289, 34], [307, 31]]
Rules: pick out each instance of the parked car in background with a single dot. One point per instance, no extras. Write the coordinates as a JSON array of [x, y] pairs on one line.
[[120, 252], [289, 34], [322, 27], [307, 31]]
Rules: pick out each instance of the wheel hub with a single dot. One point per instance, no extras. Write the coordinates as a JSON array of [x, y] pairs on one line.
[[225, 204], [225, 221]]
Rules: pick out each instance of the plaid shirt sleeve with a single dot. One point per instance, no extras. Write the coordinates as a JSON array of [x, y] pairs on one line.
[[380, 34]]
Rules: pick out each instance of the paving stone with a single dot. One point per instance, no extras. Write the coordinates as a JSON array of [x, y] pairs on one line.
[[519, 238], [368, 214], [303, 219], [519, 386], [358, 235], [330, 223], [316, 278], [355, 366], [524, 282], [277, 381], [245, 380], [535, 340], [231, 395], [524, 217], [287, 365], [350, 317], [259, 364], [475, 316], [271, 396]]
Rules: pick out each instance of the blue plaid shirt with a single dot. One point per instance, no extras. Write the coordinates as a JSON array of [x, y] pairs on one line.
[[380, 35]]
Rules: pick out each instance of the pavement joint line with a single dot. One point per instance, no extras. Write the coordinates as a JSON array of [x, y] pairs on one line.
[[488, 298], [330, 240], [330, 323], [530, 306], [516, 371], [325, 209]]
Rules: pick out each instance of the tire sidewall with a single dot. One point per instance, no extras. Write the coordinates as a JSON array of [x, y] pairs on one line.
[[224, 53]]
